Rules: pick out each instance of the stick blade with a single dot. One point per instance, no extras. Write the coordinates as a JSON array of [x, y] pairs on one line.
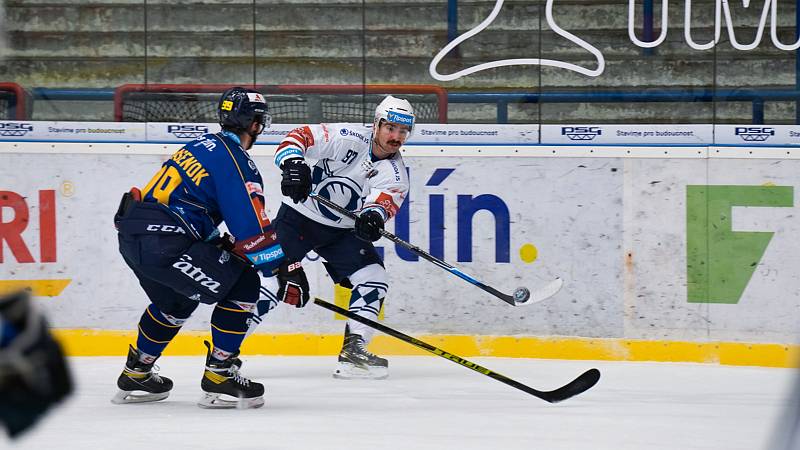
[[543, 293], [577, 386]]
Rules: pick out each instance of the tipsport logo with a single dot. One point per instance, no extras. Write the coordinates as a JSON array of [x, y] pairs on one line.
[[15, 129], [754, 134], [187, 131], [402, 119], [581, 133]]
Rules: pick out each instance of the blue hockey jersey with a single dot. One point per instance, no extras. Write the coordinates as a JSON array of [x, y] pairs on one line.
[[210, 180]]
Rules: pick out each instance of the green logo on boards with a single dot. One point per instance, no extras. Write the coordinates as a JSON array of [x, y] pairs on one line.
[[720, 261]]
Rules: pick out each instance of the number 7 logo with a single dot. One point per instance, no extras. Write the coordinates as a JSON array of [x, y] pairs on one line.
[[720, 261]]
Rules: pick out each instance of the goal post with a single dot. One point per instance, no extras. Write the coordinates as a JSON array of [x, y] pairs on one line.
[[13, 102], [288, 103]]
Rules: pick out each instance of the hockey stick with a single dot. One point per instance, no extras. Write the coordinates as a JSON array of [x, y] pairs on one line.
[[585, 381], [521, 296]]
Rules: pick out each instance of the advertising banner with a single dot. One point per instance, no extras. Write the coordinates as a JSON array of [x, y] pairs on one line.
[[510, 234], [667, 248], [583, 134], [72, 131], [711, 249], [428, 134], [765, 135]]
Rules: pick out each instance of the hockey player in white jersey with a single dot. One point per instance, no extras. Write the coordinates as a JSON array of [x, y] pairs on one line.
[[359, 168]]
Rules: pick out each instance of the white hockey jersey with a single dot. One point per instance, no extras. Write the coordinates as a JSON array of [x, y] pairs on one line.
[[343, 170]]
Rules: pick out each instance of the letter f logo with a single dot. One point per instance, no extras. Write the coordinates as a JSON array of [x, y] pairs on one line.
[[720, 261]]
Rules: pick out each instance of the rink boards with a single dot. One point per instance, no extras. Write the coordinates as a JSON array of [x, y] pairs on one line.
[[668, 252]]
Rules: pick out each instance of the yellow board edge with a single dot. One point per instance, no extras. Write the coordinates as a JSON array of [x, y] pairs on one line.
[[39, 288], [79, 342]]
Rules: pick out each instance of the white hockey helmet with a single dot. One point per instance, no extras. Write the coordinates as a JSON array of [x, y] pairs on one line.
[[395, 110]]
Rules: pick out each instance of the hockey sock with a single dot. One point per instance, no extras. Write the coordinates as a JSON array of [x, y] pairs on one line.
[[156, 330], [366, 298], [267, 301], [229, 323]]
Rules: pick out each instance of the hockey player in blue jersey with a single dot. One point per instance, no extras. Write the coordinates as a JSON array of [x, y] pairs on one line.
[[168, 236]]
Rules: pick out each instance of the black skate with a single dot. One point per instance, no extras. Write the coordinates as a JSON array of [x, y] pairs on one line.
[[224, 387], [356, 362], [139, 383], [236, 361]]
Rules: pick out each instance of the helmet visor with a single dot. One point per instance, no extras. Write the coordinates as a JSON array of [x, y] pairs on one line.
[[265, 120], [400, 130]]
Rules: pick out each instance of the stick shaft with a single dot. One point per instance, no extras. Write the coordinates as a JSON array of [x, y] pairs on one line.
[[419, 252], [431, 349]]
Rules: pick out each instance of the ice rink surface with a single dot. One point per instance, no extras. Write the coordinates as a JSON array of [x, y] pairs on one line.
[[427, 403]]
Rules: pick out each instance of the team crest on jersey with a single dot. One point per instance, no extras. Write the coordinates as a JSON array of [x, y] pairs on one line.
[[342, 191], [252, 165]]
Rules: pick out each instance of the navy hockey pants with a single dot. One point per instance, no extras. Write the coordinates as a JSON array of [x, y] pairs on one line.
[[176, 271], [343, 252]]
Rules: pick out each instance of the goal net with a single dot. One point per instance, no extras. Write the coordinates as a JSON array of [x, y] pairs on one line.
[[287, 103]]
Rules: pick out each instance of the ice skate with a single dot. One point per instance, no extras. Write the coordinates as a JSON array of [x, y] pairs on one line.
[[224, 387], [355, 362], [139, 383], [236, 361]]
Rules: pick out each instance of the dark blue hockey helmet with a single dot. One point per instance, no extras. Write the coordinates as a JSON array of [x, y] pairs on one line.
[[239, 107]]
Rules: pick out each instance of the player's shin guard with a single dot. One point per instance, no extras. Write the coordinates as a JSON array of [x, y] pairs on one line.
[[229, 323], [226, 328], [156, 330], [267, 301], [369, 290]]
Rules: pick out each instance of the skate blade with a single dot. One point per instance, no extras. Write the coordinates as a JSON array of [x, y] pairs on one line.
[[222, 401], [124, 397], [349, 371]]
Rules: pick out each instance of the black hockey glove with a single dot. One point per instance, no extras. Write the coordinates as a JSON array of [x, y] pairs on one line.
[[34, 375], [296, 180], [225, 242], [369, 225], [293, 284]]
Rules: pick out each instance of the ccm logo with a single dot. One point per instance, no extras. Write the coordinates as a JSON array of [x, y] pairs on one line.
[[166, 228]]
